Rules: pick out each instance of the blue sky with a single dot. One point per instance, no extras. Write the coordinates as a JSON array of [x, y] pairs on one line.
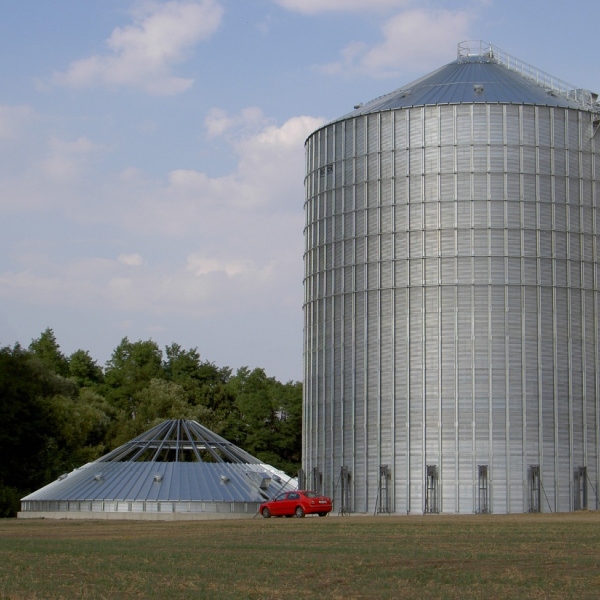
[[152, 152]]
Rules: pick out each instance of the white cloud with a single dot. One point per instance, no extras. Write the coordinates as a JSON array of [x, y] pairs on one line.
[[195, 286], [407, 43], [250, 120], [131, 260], [406, 46], [40, 170], [265, 26], [65, 160], [269, 177], [142, 55], [12, 119], [311, 7], [201, 265], [231, 243]]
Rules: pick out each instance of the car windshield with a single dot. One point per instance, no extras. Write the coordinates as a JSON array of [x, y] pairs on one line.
[[311, 494]]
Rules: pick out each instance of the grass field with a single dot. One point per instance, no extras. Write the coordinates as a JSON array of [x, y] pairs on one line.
[[483, 556]]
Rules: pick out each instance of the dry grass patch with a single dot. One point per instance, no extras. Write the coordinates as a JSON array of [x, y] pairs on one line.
[[485, 556]]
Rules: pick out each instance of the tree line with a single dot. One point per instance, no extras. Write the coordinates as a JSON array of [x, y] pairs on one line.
[[59, 412]]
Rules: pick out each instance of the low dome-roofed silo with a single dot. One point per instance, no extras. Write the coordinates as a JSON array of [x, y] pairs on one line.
[[178, 468]]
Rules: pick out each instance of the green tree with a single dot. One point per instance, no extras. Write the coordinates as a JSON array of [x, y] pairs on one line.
[[46, 348], [84, 370], [26, 424], [204, 383], [288, 399], [267, 422], [197, 377], [182, 365], [130, 369], [57, 413], [159, 401], [81, 424]]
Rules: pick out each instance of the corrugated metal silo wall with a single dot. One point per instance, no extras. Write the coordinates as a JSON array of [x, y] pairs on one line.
[[451, 306]]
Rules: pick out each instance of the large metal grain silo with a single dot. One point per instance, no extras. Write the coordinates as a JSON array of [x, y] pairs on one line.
[[451, 305]]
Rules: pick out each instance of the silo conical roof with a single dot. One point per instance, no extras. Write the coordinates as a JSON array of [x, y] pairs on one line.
[[485, 77], [178, 460]]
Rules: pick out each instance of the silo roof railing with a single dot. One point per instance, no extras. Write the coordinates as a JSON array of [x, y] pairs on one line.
[[554, 85]]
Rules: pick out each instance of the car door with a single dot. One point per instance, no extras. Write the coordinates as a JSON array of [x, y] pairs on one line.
[[277, 505], [292, 501]]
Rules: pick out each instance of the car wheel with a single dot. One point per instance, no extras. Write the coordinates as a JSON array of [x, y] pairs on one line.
[[323, 514], [266, 513], [299, 512]]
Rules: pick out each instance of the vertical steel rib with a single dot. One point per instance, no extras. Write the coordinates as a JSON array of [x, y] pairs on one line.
[[169, 425]]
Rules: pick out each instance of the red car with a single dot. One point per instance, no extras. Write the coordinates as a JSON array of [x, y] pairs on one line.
[[297, 503]]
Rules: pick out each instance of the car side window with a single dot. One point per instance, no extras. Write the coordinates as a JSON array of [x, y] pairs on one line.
[[280, 498], [293, 496]]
